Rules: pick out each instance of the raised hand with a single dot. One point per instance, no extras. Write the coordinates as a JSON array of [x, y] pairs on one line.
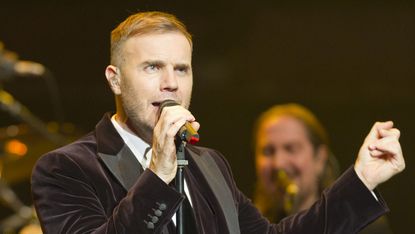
[[380, 156]]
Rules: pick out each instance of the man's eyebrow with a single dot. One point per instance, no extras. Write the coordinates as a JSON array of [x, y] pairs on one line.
[[161, 63], [154, 62], [183, 65]]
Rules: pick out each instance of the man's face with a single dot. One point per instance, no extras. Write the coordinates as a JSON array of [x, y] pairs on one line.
[[283, 144], [155, 67]]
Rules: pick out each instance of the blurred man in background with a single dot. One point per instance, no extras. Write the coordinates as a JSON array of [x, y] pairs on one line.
[[294, 163]]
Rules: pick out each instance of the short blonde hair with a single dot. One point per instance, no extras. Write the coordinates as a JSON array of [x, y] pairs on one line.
[[144, 23]]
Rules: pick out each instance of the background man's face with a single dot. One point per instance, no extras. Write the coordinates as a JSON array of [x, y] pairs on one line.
[[154, 67], [283, 144]]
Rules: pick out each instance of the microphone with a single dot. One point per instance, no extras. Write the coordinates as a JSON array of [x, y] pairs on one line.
[[11, 66], [187, 132]]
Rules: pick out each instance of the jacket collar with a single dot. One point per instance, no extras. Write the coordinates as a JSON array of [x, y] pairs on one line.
[[115, 154]]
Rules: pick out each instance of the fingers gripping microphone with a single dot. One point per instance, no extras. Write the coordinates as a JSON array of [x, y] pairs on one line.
[[186, 132]]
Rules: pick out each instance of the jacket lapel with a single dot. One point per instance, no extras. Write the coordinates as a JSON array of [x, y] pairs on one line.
[[124, 166], [218, 184], [115, 154]]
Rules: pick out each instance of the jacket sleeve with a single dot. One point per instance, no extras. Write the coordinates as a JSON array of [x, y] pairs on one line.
[[345, 207], [66, 201]]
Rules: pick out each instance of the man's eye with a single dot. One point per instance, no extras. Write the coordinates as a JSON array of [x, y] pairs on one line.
[[292, 149], [182, 70], [151, 68], [268, 150]]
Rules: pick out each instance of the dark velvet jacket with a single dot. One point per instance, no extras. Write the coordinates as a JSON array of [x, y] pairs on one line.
[[96, 185]]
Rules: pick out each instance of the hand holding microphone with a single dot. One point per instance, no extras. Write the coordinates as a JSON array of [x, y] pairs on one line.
[[187, 132], [174, 122]]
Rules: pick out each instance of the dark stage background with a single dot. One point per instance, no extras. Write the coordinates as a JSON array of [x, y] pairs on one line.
[[352, 63]]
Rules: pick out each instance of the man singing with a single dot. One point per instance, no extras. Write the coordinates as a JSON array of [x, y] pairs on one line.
[[117, 179]]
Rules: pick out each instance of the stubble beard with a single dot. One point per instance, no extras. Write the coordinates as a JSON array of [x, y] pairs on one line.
[[141, 128], [136, 119]]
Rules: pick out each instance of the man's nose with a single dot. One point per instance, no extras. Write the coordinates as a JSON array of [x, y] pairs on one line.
[[279, 161], [169, 80]]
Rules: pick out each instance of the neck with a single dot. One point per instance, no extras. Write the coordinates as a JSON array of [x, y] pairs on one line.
[[124, 122]]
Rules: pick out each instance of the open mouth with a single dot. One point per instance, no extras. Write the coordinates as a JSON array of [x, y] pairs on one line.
[[159, 105], [165, 103], [156, 104]]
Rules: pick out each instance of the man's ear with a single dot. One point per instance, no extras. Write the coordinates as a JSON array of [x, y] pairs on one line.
[[113, 78], [322, 156]]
